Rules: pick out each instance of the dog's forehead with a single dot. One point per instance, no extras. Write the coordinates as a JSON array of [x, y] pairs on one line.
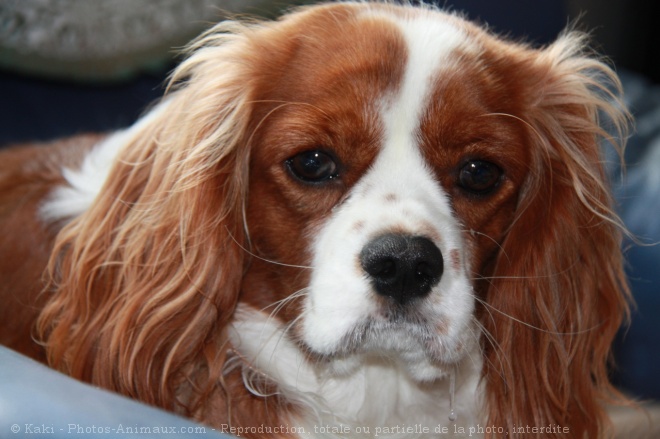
[[418, 69], [366, 49], [360, 80], [343, 64]]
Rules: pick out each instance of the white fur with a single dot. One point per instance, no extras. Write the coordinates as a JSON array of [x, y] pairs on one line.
[[378, 395], [85, 183]]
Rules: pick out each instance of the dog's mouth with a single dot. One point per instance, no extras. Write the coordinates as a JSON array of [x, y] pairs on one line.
[[399, 337], [392, 331]]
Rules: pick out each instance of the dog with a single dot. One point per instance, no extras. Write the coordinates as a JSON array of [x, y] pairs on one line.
[[360, 219]]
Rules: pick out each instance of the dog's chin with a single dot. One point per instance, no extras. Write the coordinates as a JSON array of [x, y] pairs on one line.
[[415, 349], [420, 370]]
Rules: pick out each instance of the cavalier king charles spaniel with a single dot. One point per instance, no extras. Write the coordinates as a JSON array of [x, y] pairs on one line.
[[361, 219]]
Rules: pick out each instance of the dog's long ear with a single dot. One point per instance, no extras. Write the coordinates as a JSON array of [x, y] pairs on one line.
[[146, 279], [558, 292]]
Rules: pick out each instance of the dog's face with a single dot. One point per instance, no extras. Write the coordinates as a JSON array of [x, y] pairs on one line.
[[376, 184], [387, 162]]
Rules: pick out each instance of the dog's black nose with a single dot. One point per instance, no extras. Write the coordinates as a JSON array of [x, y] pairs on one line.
[[402, 267]]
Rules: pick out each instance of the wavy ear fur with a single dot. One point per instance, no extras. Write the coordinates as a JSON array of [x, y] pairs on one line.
[[145, 280], [558, 293]]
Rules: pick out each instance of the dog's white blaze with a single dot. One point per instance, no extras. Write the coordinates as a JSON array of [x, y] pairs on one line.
[[340, 296], [430, 43]]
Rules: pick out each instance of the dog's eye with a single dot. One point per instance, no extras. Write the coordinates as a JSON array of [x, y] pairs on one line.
[[313, 166], [479, 176]]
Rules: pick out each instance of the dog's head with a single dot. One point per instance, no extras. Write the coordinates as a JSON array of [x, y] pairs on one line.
[[392, 181]]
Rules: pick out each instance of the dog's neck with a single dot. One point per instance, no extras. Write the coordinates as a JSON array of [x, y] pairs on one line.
[[365, 396]]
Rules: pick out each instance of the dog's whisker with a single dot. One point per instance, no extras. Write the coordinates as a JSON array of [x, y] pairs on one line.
[[476, 232], [281, 264], [280, 304], [536, 328], [494, 343]]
